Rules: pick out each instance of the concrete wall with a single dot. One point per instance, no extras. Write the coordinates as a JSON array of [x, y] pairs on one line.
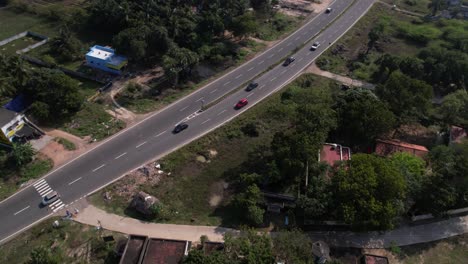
[[15, 37]]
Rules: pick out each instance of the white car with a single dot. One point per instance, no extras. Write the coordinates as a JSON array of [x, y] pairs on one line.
[[315, 45]]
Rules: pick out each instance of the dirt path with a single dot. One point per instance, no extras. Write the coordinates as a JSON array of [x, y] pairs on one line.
[[58, 153], [343, 79]]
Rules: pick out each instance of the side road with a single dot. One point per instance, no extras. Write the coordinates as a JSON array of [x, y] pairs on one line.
[[91, 215], [400, 237]]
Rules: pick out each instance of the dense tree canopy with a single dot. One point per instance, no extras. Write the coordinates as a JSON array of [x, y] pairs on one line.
[[408, 98], [370, 193], [362, 117], [454, 109]]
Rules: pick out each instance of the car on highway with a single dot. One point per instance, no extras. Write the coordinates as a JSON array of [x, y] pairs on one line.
[[242, 102], [315, 45], [50, 198], [180, 127], [328, 10], [251, 86], [288, 61]]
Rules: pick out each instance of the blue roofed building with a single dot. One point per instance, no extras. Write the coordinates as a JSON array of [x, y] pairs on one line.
[[104, 58]]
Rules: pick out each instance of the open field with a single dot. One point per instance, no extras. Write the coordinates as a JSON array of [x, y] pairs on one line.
[[417, 6], [14, 23], [345, 56], [197, 190]]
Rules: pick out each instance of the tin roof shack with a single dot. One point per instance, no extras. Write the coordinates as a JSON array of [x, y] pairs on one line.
[[142, 202], [390, 146], [165, 251], [133, 249], [15, 127]]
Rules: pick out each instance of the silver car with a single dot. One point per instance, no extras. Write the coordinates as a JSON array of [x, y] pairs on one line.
[[50, 198]]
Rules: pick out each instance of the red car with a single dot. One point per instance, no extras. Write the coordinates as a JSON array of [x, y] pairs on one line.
[[243, 102]]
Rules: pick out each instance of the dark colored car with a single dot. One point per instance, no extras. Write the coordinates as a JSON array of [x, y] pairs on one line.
[[288, 61], [328, 10], [180, 127], [251, 86], [50, 198], [242, 102], [315, 45]]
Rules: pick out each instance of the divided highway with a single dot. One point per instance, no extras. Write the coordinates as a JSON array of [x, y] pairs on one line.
[[153, 138]]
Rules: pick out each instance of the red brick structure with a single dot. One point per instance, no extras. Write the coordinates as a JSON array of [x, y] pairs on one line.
[[390, 146]]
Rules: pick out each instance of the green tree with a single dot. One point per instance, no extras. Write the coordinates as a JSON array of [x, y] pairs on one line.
[[370, 193], [362, 117], [179, 61], [244, 25], [407, 97], [413, 169], [250, 248], [247, 202], [293, 247], [454, 109], [66, 45], [375, 34], [317, 200], [55, 90], [22, 154]]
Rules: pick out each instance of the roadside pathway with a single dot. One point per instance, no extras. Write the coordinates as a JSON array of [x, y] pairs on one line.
[[400, 237], [313, 68], [403, 236], [91, 215]]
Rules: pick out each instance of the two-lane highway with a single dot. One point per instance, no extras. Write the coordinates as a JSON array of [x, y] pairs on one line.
[[153, 138]]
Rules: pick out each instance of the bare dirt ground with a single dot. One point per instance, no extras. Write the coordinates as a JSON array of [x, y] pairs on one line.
[[302, 7], [58, 153]]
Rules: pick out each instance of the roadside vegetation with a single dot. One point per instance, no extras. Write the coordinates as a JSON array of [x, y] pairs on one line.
[[69, 243], [20, 165], [273, 146]]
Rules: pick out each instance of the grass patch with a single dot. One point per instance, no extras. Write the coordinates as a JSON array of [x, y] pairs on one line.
[[14, 23], [187, 192], [448, 251], [11, 47], [275, 27], [35, 169], [68, 145], [417, 6], [71, 243], [92, 120], [347, 56], [11, 180]]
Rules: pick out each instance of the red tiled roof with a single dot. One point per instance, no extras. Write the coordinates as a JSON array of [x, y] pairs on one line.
[[388, 147], [331, 153]]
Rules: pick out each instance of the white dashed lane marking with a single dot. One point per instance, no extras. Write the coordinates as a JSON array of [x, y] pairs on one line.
[[98, 168], [205, 121], [74, 181], [21, 210], [221, 112], [121, 155], [160, 134], [140, 144]]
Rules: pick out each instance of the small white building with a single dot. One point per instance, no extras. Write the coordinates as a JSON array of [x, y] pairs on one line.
[[15, 127]]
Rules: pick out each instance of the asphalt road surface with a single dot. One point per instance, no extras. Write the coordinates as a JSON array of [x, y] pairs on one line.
[[153, 137]]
